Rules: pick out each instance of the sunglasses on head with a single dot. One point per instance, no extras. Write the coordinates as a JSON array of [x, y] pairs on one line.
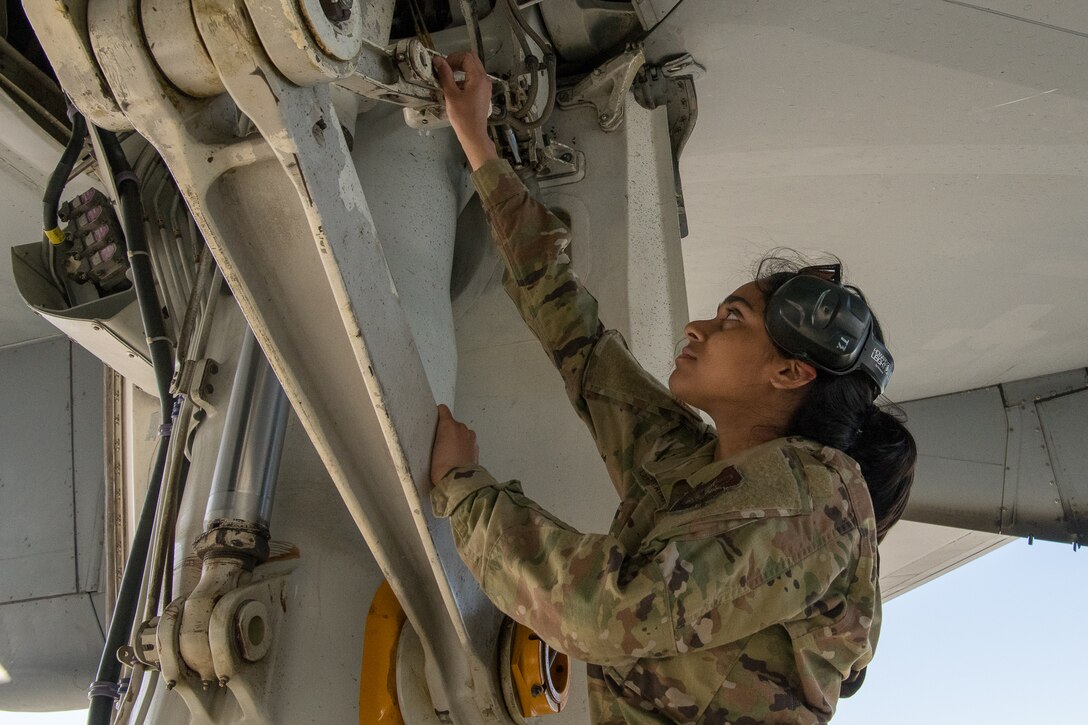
[[827, 272]]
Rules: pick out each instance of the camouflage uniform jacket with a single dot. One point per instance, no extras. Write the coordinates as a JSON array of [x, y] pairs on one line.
[[734, 591]]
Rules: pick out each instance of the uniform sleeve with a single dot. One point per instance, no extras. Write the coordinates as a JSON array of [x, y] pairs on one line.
[[586, 595], [533, 244], [626, 409]]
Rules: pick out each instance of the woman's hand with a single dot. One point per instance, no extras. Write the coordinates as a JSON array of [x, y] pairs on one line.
[[468, 104], [454, 446]]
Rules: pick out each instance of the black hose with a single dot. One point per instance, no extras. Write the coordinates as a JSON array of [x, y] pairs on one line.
[[553, 79], [51, 234], [104, 691], [549, 104], [532, 68], [59, 179], [143, 275], [519, 17]]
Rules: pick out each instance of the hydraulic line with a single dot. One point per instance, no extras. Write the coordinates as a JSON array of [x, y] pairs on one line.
[[174, 475], [51, 233], [526, 126], [59, 179], [532, 68], [522, 27], [143, 276], [519, 18], [104, 690]]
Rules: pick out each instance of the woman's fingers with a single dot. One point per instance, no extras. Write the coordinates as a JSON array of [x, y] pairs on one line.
[[467, 103], [445, 76], [454, 446], [467, 63], [472, 66]]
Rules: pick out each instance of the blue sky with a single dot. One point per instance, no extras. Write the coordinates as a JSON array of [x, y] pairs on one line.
[[998, 641]]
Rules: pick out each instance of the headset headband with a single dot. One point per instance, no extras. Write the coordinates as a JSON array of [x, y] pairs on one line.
[[816, 319]]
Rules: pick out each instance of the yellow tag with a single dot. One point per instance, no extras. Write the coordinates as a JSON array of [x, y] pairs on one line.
[[54, 235]]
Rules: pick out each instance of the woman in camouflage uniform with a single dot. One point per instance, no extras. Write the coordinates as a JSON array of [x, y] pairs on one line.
[[738, 583]]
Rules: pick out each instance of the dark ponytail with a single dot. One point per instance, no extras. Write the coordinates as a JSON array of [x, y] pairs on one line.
[[839, 411]]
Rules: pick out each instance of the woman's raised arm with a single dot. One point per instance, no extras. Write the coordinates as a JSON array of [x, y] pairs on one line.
[[628, 412]]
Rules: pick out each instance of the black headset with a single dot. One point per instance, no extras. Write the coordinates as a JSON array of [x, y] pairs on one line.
[[814, 318]]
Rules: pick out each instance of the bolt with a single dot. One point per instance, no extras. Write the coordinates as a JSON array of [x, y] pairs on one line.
[[223, 681], [170, 684], [567, 157], [605, 117], [537, 691]]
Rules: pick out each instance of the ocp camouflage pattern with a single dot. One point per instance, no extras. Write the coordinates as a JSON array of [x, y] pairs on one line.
[[738, 591]]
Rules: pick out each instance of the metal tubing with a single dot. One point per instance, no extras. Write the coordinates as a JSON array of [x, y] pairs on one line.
[[249, 456]]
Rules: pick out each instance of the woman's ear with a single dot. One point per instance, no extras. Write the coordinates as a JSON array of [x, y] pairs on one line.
[[792, 374]]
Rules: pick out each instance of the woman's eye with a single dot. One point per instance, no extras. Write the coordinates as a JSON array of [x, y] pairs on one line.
[[732, 314]]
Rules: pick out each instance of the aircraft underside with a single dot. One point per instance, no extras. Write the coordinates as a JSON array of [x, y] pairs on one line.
[[315, 276]]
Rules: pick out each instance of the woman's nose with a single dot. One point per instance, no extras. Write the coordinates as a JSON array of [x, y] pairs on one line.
[[693, 332]]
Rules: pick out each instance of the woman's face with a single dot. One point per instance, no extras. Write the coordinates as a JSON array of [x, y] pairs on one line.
[[729, 359]]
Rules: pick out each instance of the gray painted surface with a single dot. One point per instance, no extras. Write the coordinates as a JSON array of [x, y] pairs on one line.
[[51, 520], [1065, 424], [938, 149], [89, 468], [961, 453], [37, 542], [1008, 459], [51, 649]]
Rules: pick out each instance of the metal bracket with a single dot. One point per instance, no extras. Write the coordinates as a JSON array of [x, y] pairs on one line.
[[561, 165], [203, 373], [606, 87], [240, 630], [672, 84], [236, 630]]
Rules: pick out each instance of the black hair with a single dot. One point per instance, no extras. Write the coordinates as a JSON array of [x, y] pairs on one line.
[[839, 411]]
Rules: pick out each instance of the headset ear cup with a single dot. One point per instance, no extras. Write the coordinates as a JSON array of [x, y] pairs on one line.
[[824, 323]]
